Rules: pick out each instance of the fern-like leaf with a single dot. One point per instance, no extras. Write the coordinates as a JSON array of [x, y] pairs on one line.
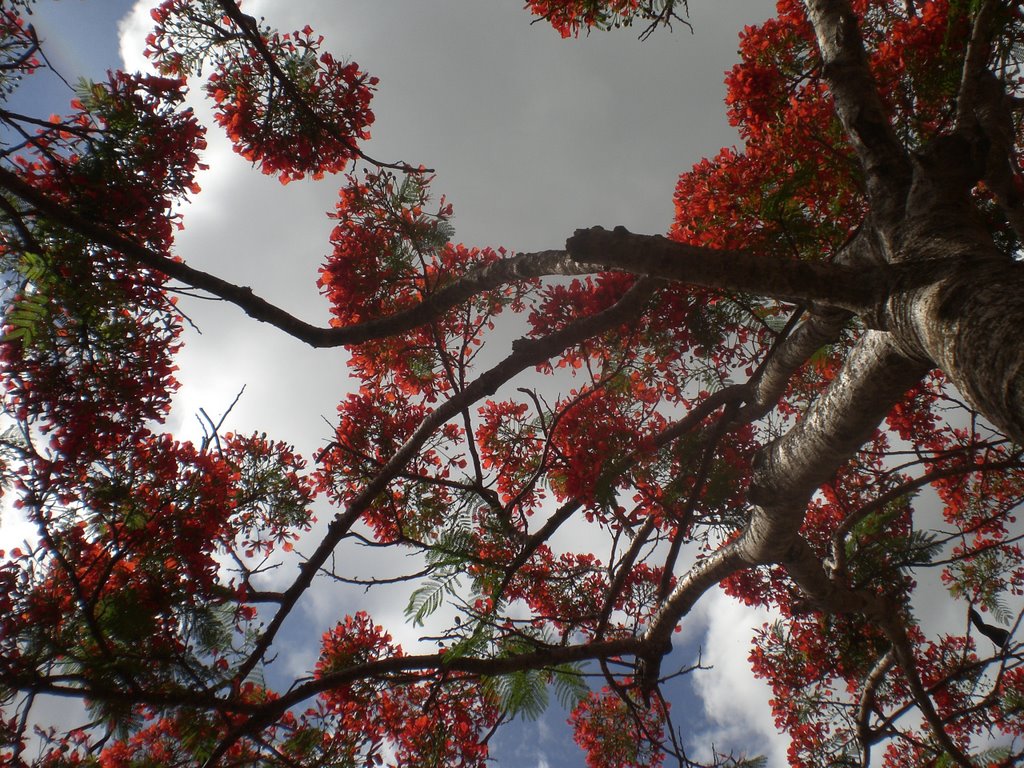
[[425, 600]]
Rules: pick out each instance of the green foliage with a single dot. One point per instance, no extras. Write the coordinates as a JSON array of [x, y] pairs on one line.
[[447, 557], [197, 734], [29, 313], [35, 270], [123, 617], [210, 627], [760, 761], [874, 554], [200, 42], [413, 192], [982, 578], [122, 718], [793, 228], [570, 687], [304, 743], [526, 693], [60, 301], [418, 238], [473, 643], [519, 693], [994, 756], [1012, 702], [425, 600], [25, 316], [996, 605], [266, 486]]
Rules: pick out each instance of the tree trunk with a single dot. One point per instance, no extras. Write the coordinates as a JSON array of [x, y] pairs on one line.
[[970, 326]]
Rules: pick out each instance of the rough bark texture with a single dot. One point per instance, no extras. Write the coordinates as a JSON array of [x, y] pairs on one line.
[[836, 285], [954, 303], [875, 375], [859, 107], [969, 325]]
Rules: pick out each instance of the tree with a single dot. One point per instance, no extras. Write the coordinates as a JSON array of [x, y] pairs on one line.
[[856, 266]]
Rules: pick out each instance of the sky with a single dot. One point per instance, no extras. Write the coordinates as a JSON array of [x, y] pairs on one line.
[[531, 137]]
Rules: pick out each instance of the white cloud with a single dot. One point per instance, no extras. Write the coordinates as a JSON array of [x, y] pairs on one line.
[[739, 716], [132, 31]]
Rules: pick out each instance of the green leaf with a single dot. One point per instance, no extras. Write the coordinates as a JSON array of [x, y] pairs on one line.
[[26, 316], [519, 693], [17, 333], [748, 762], [994, 756], [212, 627], [471, 644], [570, 687], [428, 598]]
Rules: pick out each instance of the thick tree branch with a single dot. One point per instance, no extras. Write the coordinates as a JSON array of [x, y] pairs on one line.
[[865, 735], [979, 48], [78, 688], [875, 375], [892, 624], [994, 113], [515, 268], [785, 359], [968, 324], [803, 566], [922, 271], [859, 107], [701, 577], [821, 592], [542, 658], [857, 289]]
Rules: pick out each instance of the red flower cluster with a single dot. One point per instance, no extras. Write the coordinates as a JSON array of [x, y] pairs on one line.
[[391, 254], [125, 158], [386, 245], [614, 732], [17, 50], [287, 107], [150, 568], [568, 18], [448, 720]]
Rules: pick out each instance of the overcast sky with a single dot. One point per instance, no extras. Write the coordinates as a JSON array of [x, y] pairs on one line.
[[532, 137]]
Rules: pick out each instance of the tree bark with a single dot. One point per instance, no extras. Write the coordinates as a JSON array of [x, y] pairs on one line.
[[969, 325]]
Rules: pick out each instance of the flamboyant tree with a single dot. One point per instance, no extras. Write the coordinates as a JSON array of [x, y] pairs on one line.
[[810, 391]]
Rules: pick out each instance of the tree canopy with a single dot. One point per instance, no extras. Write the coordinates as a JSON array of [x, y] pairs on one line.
[[809, 392]]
